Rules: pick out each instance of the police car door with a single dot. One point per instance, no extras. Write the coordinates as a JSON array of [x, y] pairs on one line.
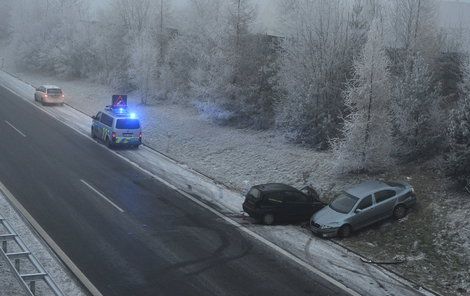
[[106, 123], [97, 125]]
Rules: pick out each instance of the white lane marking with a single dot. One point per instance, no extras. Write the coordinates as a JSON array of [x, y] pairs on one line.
[[102, 196], [13, 127], [249, 232], [57, 250]]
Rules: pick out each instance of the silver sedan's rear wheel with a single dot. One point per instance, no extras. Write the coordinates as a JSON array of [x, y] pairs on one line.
[[268, 219], [399, 212]]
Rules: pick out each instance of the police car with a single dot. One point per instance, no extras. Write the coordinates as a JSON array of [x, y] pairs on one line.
[[115, 126]]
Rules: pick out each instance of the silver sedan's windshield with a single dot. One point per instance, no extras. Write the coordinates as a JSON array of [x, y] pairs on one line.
[[343, 203]]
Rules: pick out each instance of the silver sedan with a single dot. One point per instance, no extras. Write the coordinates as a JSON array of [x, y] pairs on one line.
[[362, 205]]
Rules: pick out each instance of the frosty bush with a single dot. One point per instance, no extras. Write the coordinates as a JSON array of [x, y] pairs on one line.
[[213, 112], [458, 161]]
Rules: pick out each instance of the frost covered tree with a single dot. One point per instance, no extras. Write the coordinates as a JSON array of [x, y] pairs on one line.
[[367, 135], [416, 112], [144, 66], [205, 41], [146, 40], [323, 38], [458, 161], [217, 60], [56, 41], [413, 26]]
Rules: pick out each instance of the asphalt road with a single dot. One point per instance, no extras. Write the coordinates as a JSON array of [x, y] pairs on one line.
[[127, 232]]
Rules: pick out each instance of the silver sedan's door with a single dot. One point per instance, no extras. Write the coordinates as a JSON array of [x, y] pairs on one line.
[[384, 203], [363, 213]]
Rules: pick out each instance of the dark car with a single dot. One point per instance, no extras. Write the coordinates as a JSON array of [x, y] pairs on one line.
[[274, 202], [363, 205]]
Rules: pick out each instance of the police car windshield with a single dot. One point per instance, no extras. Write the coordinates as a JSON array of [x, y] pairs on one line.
[[127, 124]]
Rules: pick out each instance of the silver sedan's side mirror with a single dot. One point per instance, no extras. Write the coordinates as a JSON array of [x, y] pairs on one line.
[[357, 211]]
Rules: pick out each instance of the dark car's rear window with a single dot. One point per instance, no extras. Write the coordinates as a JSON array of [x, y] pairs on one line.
[[343, 203], [254, 194], [54, 91], [127, 124]]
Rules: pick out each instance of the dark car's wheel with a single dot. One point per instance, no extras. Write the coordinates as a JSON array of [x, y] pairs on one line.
[[345, 231], [399, 212], [267, 219]]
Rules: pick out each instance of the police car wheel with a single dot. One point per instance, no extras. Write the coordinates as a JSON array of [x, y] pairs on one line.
[[108, 143]]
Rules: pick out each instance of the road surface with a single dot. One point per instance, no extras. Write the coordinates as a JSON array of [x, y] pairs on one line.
[[127, 232]]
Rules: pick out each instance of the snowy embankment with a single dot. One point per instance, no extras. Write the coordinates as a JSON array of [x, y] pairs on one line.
[[245, 155]]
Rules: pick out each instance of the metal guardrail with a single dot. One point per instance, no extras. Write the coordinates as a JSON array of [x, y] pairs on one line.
[[28, 280]]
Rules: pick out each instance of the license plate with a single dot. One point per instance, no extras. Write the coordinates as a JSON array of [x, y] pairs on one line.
[[127, 134]]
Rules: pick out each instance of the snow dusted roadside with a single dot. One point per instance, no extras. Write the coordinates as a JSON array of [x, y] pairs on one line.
[[256, 157]]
